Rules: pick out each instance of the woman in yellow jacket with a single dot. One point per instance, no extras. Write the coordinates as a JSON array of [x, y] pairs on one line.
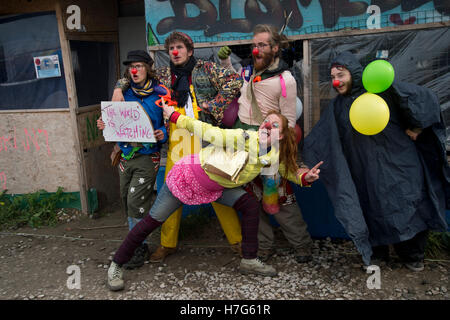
[[192, 181]]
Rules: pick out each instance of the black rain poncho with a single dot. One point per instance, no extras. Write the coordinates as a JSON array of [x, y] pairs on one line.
[[384, 188]]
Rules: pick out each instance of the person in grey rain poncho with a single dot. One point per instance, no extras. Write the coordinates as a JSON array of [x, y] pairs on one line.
[[388, 188]]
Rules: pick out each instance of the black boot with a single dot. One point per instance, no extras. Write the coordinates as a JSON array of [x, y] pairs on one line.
[[141, 254]]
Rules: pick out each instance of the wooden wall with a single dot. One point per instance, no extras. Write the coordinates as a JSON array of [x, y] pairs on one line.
[[97, 16], [46, 149]]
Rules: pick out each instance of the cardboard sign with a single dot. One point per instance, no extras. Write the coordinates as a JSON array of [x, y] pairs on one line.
[[126, 122]]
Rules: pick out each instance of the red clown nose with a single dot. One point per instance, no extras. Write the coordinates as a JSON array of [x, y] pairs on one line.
[[255, 51], [134, 71], [175, 52], [267, 125], [336, 83]]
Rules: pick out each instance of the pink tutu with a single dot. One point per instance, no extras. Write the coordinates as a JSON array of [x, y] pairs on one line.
[[190, 184]]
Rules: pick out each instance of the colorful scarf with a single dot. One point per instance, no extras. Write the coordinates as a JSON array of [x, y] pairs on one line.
[[270, 200], [144, 91]]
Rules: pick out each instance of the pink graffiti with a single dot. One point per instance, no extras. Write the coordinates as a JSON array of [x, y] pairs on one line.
[[10, 142], [3, 178]]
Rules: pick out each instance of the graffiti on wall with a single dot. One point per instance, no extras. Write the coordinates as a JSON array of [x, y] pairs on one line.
[[28, 139], [223, 20]]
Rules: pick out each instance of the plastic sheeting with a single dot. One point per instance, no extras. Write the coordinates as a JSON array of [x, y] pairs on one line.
[[421, 57], [23, 37]]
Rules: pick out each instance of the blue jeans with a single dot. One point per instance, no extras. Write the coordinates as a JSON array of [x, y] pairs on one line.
[[166, 202]]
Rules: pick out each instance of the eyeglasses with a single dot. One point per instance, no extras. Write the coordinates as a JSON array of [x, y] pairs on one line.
[[260, 45], [137, 66]]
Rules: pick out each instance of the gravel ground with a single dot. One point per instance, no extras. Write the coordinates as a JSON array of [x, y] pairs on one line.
[[34, 266]]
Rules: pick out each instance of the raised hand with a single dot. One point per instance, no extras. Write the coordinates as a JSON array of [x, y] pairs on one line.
[[313, 174], [100, 124], [224, 52], [167, 110]]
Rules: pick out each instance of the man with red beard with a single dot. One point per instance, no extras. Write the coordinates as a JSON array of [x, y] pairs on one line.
[[269, 85]]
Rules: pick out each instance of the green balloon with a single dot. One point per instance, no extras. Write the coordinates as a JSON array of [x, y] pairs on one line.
[[378, 76]]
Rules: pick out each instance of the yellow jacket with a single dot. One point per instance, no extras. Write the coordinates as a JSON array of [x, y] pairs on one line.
[[238, 139]]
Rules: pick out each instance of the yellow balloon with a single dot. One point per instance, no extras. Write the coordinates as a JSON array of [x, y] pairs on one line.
[[369, 114]]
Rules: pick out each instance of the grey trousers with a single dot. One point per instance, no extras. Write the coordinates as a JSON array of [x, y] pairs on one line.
[[292, 225]]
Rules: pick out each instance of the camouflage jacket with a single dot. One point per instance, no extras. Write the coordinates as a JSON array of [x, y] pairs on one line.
[[212, 84]]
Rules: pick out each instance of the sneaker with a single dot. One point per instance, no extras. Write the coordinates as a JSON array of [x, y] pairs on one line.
[[303, 255], [256, 266], [236, 248], [265, 254], [115, 277], [141, 254], [161, 253], [415, 266]]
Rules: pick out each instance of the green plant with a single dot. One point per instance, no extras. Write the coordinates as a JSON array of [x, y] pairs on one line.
[[437, 243], [33, 209]]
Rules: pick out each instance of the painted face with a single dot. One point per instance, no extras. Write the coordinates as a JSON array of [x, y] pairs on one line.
[[138, 73], [344, 77], [266, 52], [178, 53], [271, 128]]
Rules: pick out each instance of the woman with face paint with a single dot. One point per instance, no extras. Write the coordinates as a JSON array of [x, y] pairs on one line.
[[191, 182], [139, 162]]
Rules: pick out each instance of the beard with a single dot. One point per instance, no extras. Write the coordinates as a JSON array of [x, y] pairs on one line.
[[348, 90], [267, 59]]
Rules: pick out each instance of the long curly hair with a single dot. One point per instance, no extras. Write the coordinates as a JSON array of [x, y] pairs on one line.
[[288, 145]]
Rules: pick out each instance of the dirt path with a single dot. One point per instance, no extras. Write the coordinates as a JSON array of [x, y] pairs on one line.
[[34, 265]]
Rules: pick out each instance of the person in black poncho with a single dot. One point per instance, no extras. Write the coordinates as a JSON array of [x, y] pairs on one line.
[[388, 188]]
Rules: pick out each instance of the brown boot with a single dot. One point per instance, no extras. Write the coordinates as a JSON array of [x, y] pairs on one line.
[[161, 253]]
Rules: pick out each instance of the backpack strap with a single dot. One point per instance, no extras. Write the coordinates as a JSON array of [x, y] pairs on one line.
[[283, 86]]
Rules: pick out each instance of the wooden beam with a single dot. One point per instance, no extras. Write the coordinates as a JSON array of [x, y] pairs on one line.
[[97, 37], [207, 44], [35, 110], [307, 98], [340, 33], [25, 6], [73, 105], [354, 32]]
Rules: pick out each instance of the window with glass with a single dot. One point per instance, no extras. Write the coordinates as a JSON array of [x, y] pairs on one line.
[[31, 66]]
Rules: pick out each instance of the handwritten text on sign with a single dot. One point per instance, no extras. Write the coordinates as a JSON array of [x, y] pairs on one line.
[[126, 122]]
